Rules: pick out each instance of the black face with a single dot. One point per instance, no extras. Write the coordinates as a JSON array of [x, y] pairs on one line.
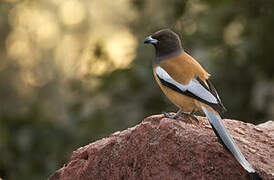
[[166, 42]]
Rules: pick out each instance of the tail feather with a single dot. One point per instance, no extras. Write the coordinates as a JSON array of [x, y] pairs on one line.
[[254, 176], [226, 139]]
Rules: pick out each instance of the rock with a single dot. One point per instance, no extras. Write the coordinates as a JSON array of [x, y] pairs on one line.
[[162, 148]]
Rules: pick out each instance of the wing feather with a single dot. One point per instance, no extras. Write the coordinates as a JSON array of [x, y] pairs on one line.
[[194, 89]]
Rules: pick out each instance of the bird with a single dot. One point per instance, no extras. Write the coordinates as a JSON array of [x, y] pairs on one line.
[[186, 84]]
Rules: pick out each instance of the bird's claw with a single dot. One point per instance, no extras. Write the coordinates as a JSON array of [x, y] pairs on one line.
[[168, 115], [190, 117], [194, 118], [174, 116]]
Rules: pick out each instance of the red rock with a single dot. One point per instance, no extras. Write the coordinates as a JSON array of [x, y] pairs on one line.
[[161, 148]]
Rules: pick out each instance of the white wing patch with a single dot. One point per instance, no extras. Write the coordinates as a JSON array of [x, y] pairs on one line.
[[193, 86]]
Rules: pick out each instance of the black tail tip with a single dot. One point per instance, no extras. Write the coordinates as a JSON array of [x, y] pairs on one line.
[[255, 176]]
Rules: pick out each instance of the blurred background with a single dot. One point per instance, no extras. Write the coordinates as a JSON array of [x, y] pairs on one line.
[[74, 71]]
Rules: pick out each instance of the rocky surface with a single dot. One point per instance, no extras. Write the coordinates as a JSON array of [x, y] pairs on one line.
[[161, 148]]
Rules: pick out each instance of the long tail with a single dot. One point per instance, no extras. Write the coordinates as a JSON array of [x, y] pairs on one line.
[[228, 142]]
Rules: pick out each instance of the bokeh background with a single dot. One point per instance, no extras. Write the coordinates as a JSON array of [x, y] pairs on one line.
[[74, 71]]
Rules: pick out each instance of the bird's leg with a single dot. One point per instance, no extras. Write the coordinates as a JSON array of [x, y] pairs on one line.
[[175, 116], [193, 117], [179, 112]]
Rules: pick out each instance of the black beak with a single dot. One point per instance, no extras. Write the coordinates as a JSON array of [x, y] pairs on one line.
[[150, 40]]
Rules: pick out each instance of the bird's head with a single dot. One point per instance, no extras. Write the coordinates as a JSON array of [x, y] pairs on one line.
[[166, 42]]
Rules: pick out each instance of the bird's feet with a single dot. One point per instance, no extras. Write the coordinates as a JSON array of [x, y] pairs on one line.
[[173, 116], [187, 117], [192, 117]]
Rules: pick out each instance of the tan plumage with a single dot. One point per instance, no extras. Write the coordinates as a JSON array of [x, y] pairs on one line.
[[182, 68], [187, 104]]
